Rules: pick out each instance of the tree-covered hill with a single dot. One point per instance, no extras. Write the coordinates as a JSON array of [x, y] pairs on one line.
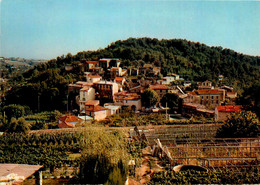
[[13, 66], [192, 61]]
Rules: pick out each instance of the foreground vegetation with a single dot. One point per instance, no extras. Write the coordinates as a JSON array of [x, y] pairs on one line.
[[49, 150], [240, 125], [20, 119], [103, 155], [224, 176]]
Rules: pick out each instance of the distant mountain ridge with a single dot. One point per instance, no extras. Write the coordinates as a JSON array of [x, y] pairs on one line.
[[11, 66]]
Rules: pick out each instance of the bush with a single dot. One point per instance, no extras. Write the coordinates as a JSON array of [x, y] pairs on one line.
[[244, 124], [14, 111], [18, 126], [224, 176], [104, 157]]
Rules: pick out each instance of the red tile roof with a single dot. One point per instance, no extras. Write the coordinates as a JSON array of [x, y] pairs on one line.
[[70, 118], [81, 83], [66, 121], [191, 93], [237, 108], [96, 108], [94, 76], [92, 62], [208, 91], [158, 87], [103, 60], [119, 79], [124, 95], [65, 125]]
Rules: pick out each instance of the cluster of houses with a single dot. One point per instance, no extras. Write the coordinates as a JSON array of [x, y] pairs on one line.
[[208, 101], [89, 94]]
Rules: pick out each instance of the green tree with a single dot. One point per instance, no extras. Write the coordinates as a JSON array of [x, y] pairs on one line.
[[14, 111], [149, 98], [18, 126], [173, 101], [244, 124], [103, 154]]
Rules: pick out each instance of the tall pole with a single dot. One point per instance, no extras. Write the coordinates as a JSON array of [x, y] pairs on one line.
[[38, 102], [67, 103], [166, 112]]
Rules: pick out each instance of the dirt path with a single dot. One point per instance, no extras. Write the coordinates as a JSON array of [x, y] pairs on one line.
[[149, 165]]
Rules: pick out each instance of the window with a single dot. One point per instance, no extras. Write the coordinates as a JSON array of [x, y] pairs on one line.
[[207, 97], [212, 97], [202, 97]]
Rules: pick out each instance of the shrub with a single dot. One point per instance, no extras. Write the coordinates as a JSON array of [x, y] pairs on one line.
[[104, 157], [244, 124]]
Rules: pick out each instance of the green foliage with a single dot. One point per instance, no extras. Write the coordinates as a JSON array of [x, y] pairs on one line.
[[244, 124], [104, 156], [250, 98], [149, 98], [41, 91], [44, 120], [132, 119], [18, 126], [172, 100], [116, 177], [225, 176], [43, 149], [14, 111], [14, 67]]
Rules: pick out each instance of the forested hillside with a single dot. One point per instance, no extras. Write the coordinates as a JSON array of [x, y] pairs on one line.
[[13, 66], [47, 82]]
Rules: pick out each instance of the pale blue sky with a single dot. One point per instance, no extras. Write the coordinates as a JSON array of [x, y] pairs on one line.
[[49, 28]]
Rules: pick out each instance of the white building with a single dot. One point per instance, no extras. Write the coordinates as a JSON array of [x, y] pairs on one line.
[[168, 79], [131, 100], [92, 78], [115, 109], [86, 93]]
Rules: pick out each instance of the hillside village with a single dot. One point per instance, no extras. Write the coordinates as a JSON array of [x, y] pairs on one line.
[[97, 98], [132, 92], [137, 119]]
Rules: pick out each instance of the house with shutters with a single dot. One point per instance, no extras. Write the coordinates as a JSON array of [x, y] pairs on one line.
[[106, 89], [86, 93]]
